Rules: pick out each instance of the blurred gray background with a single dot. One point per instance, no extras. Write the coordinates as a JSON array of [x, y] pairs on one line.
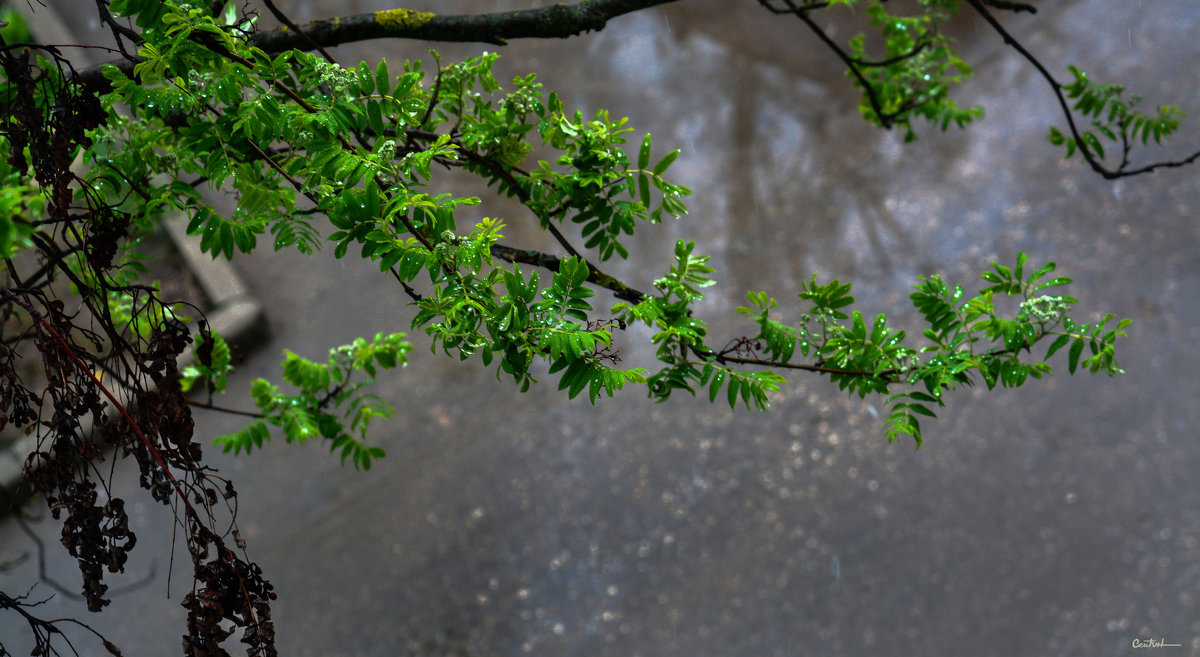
[[1058, 519]]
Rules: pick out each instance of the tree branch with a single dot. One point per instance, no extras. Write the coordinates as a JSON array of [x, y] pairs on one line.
[[801, 12], [552, 263], [1056, 86], [558, 21], [282, 18], [1016, 7]]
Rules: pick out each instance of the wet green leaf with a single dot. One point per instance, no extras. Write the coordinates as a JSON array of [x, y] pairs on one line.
[[382, 80], [1073, 355]]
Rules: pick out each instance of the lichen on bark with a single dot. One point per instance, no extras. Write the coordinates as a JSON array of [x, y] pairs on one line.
[[402, 19]]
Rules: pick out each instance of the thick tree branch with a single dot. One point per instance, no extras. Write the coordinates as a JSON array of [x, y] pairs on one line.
[[558, 21]]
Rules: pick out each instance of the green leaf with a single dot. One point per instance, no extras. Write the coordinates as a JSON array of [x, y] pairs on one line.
[[920, 396], [1059, 343], [375, 117], [382, 80], [1040, 272], [1073, 355], [366, 83], [918, 408], [879, 329], [665, 162], [1056, 281], [860, 326], [715, 385], [1094, 143], [644, 153]]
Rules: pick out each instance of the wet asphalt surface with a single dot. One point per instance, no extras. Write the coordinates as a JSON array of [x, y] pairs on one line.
[[1058, 519]]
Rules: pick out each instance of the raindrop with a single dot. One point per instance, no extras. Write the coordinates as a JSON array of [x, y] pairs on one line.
[[836, 568]]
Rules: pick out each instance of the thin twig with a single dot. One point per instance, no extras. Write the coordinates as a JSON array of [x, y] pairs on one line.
[[1057, 87], [885, 119], [232, 411], [283, 18]]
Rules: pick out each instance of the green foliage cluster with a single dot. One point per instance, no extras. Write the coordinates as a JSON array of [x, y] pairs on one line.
[[18, 201], [303, 110], [328, 399], [212, 365], [913, 74], [680, 337], [1112, 117], [968, 337], [316, 152], [14, 28]]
